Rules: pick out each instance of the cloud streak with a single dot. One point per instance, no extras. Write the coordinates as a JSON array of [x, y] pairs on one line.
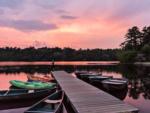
[[99, 23], [27, 25], [68, 17], [10, 3]]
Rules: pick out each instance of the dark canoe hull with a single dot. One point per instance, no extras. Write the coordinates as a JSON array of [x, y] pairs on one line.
[[43, 107], [114, 86], [26, 96], [85, 77], [121, 94], [18, 104], [98, 81], [78, 73]]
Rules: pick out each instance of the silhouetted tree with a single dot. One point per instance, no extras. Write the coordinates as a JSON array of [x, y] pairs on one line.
[[146, 36], [132, 39], [136, 42]]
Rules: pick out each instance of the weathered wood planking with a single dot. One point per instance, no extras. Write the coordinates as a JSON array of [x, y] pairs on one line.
[[88, 99]]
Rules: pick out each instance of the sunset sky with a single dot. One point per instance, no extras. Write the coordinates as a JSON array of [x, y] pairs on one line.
[[70, 23]]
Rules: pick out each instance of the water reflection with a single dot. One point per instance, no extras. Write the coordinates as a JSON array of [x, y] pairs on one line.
[[8, 73], [139, 80], [30, 69], [120, 93], [137, 93]]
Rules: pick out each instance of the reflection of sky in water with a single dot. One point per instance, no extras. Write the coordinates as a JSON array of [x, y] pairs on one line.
[[141, 103], [130, 72], [5, 78], [60, 63]]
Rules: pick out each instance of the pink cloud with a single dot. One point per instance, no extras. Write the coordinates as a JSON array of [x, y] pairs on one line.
[[98, 24]]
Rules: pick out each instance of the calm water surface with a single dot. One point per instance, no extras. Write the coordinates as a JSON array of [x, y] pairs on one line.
[[137, 94]]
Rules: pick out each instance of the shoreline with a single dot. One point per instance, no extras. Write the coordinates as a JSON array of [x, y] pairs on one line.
[[142, 63], [20, 63]]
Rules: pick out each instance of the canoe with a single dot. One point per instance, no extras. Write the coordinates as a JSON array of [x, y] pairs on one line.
[[50, 104], [96, 80], [115, 84], [120, 80], [42, 78], [5, 105], [78, 73], [32, 85], [18, 98], [90, 74], [86, 76], [99, 78], [23, 94]]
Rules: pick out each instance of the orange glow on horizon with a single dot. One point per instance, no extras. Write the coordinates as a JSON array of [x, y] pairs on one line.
[[98, 24]]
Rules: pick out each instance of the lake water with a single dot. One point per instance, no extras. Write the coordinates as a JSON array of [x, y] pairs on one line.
[[137, 94]]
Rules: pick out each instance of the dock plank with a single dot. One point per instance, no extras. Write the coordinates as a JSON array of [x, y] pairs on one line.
[[88, 99]]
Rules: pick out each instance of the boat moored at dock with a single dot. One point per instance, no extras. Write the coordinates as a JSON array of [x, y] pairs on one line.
[[115, 84], [50, 104], [32, 85], [23, 94]]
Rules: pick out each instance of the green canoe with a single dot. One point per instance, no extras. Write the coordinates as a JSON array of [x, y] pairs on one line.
[[32, 85]]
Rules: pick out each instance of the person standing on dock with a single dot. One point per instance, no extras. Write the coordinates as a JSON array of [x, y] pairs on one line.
[[52, 64]]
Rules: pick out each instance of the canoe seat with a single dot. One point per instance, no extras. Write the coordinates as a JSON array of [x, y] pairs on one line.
[[6, 93], [52, 101], [31, 91]]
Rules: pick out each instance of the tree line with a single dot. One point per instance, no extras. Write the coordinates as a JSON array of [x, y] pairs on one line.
[[57, 54], [136, 46]]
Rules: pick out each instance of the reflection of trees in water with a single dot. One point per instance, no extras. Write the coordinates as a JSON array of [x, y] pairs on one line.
[[139, 76], [135, 88], [146, 95], [25, 69], [99, 68], [119, 93], [135, 75], [46, 69], [137, 80]]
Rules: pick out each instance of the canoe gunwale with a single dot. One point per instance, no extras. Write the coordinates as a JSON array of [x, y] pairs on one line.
[[57, 110], [32, 85], [24, 96]]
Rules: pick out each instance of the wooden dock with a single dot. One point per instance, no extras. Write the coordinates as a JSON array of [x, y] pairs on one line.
[[88, 99]]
